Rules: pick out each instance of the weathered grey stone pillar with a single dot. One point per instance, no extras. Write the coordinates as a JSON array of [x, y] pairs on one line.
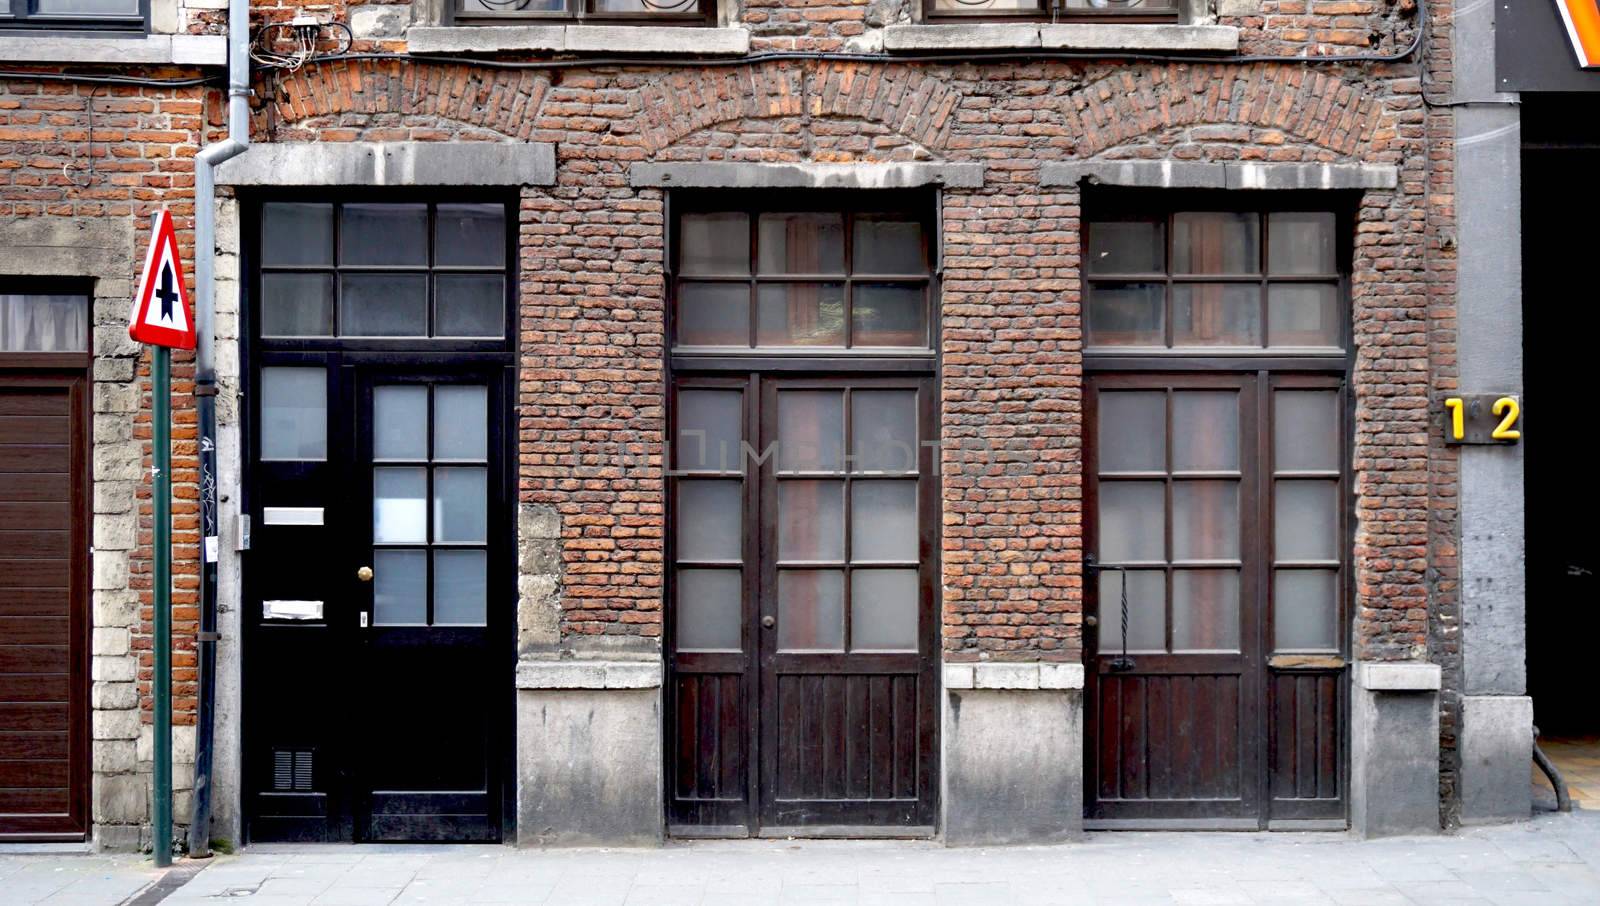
[[589, 761], [1496, 729], [1394, 748], [1013, 753]]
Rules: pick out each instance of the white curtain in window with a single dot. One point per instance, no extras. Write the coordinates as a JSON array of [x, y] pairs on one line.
[[41, 323]]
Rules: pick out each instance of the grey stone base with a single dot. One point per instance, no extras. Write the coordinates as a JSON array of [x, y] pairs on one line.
[[1013, 753], [589, 761], [118, 838], [1496, 758], [1394, 749]]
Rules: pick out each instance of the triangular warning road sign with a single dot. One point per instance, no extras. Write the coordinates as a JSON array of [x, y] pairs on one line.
[[162, 315]]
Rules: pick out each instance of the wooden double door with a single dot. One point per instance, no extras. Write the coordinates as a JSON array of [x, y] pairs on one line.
[[1216, 685], [802, 697], [378, 678]]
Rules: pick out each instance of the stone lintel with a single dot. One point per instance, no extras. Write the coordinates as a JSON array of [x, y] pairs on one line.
[[612, 39], [1398, 676], [391, 164], [177, 50], [726, 175], [1028, 675], [1073, 36], [1173, 174], [573, 674]]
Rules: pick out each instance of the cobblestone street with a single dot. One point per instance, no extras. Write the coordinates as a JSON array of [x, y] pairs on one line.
[[1553, 861]]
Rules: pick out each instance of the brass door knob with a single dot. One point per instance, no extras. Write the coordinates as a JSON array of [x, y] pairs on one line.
[[364, 574], [1091, 621]]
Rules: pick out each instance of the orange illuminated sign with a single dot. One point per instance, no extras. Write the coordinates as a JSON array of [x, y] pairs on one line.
[[1582, 20]]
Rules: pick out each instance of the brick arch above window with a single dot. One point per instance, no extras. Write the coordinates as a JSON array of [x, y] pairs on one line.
[[1313, 107]]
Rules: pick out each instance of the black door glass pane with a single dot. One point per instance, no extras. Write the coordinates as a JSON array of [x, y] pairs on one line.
[[470, 235], [1127, 314], [293, 233], [800, 314], [384, 234], [801, 243], [383, 305], [1221, 242], [714, 314], [296, 305], [888, 245], [1216, 314], [469, 305], [1126, 247], [886, 314]]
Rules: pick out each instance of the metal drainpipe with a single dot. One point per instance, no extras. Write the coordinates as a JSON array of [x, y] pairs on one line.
[[205, 389]]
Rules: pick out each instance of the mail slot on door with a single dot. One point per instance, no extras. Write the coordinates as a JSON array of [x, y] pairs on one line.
[[291, 610]]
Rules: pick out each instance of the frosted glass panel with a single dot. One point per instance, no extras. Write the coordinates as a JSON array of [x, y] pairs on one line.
[[469, 305], [1303, 314], [709, 431], [44, 323], [1306, 520], [1205, 520], [1222, 242], [1127, 314], [811, 430], [810, 610], [1126, 247], [296, 305], [800, 314], [1304, 605], [383, 305], [383, 234], [1132, 521], [399, 505], [708, 518], [461, 422], [888, 245], [888, 314], [461, 505], [1216, 314], [470, 234], [884, 424], [1133, 431], [714, 244], [708, 609], [801, 243], [811, 520], [460, 587], [296, 234], [1205, 610], [88, 7], [400, 422], [1147, 610], [294, 413], [1301, 242], [1205, 431], [399, 588], [883, 520], [713, 314], [1305, 430], [883, 610]]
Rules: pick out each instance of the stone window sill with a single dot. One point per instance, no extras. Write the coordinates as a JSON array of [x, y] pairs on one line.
[[615, 39], [178, 50], [1073, 36]]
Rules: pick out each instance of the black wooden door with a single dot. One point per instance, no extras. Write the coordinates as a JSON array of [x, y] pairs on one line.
[[380, 593], [803, 695], [1216, 522]]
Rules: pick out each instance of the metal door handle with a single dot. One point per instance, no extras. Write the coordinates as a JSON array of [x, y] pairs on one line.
[[1091, 621], [769, 622], [364, 574]]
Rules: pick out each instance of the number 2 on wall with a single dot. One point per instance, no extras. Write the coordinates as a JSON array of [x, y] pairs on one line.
[[1513, 411]]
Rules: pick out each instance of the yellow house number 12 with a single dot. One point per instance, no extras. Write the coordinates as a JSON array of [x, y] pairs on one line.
[[1471, 415]]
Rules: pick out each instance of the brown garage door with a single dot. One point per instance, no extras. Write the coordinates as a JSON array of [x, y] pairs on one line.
[[43, 571]]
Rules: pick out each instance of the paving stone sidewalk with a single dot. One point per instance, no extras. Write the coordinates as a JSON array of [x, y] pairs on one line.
[[73, 879], [1553, 861]]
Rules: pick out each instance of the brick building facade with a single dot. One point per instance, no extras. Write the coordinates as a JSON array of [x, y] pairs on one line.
[[1320, 131]]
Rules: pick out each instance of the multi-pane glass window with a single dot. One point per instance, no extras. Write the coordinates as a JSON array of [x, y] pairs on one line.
[[1215, 281], [358, 270], [644, 12], [1053, 10], [801, 280], [430, 504], [73, 15]]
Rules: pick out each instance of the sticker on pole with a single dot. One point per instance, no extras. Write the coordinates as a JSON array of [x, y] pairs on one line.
[[162, 315]]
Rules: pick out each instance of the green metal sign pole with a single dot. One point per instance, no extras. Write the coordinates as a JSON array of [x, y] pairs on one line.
[[161, 394]]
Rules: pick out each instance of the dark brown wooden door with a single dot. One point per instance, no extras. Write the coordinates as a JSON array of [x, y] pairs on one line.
[[43, 605], [802, 694], [1216, 521]]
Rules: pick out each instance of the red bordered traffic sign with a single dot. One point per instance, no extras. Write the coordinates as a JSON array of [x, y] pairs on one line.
[[162, 315]]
